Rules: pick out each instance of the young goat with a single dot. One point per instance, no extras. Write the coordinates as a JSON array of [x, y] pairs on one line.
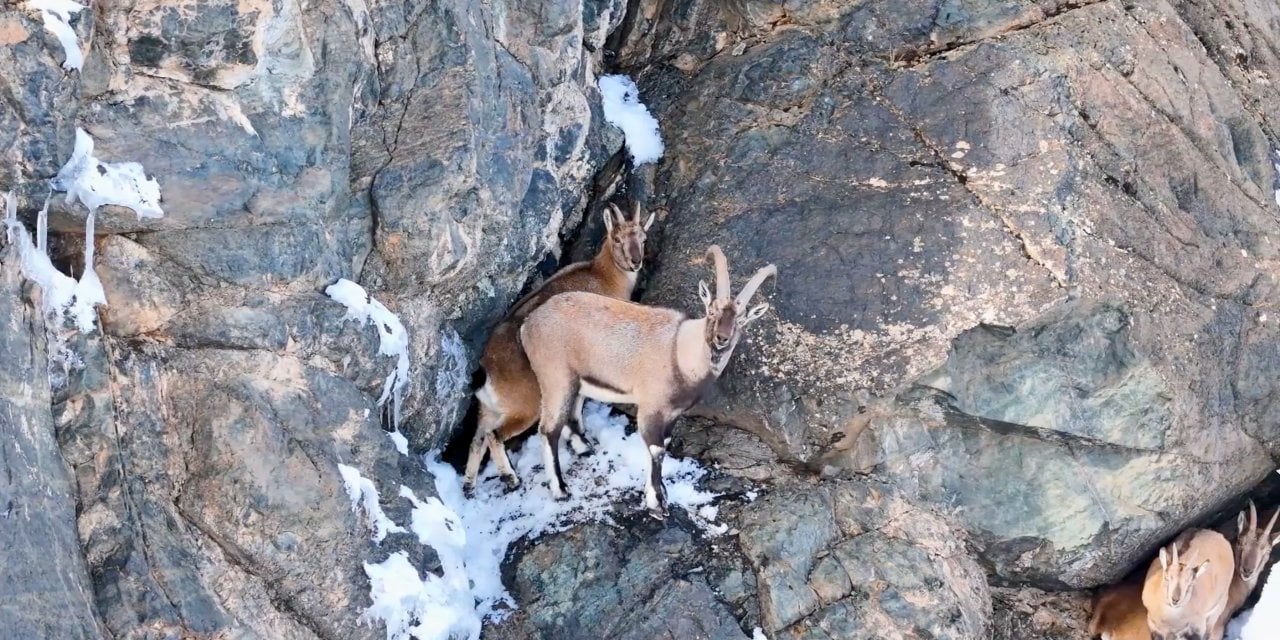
[[1118, 613], [1252, 551], [1186, 588], [509, 399], [613, 351]]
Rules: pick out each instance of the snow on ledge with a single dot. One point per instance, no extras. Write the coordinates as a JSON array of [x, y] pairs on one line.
[[97, 183], [57, 20], [495, 520], [393, 339], [623, 109]]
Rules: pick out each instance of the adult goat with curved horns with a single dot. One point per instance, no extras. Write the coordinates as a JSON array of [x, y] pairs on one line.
[[658, 359]]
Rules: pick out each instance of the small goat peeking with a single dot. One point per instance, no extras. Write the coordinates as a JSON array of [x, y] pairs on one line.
[[1186, 587], [1252, 551], [618, 352], [509, 399]]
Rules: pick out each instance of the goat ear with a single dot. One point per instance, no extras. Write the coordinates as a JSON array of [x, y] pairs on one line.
[[608, 220], [1195, 573], [754, 314], [649, 222], [704, 293]]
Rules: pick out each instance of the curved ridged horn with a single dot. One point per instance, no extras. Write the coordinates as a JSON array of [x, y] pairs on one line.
[[749, 289], [635, 211], [1267, 532], [722, 272], [1253, 516]]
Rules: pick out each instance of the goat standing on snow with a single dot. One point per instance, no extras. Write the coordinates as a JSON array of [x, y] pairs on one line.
[[1184, 596], [1253, 550], [509, 399], [613, 351]]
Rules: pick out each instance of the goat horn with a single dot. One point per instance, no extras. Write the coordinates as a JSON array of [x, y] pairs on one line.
[[722, 272], [749, 289], [635, 211], [1267, 532], [1253, 516]]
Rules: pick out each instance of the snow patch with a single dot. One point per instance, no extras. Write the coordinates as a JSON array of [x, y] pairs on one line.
[[57, 20], [401, 442], [393, 338], [415, 608], [1275, 163], [758, 634], [623, 109], [1263, 621], [437, 607], [364, 496], [494, 519], [97, 183]]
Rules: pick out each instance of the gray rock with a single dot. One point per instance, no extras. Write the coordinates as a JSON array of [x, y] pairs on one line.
[[595, 581], [1003, 203], [857, 561], [44, 576], [432, 153]]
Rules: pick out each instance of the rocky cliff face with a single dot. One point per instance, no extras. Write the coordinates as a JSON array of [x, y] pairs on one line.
[[1024, 328]]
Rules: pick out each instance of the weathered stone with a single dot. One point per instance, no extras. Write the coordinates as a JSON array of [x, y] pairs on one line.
[[43, 580], [853, 561], [596, 582], [933, 183]]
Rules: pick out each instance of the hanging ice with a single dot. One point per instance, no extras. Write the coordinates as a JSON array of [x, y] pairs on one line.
[[57, 20], [394, 340]]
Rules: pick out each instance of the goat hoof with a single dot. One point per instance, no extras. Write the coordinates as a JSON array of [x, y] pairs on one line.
[[512, 483], [563, 496], [586, 452], [469, 491], [659, 513]]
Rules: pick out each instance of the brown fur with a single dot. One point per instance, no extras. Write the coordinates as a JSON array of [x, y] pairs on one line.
[[582, 344], [510, 400], [1186, 587], [1118, 613]]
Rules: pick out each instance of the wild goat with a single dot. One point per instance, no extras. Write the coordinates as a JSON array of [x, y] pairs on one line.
[[1118, 613], [1186, 588], [509, 399], [613, 351], [1252, 551]]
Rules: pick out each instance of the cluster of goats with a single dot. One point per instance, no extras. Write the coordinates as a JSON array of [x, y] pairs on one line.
[[1195, 586], [578, 336]]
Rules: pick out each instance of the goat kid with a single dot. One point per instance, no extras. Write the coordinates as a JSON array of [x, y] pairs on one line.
[[614, 351], [1186, 587], [1252, 551], [509, 399]]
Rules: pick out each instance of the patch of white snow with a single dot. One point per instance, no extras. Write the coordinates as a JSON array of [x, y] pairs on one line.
[[393, 338], [758, 634], [623, 109], [495, 519], [57, 20], [401, 442], [96, 183], [364, 496], [412, 607]]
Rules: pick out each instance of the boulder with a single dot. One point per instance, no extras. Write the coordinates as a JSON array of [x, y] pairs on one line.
[[1006, 207]]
